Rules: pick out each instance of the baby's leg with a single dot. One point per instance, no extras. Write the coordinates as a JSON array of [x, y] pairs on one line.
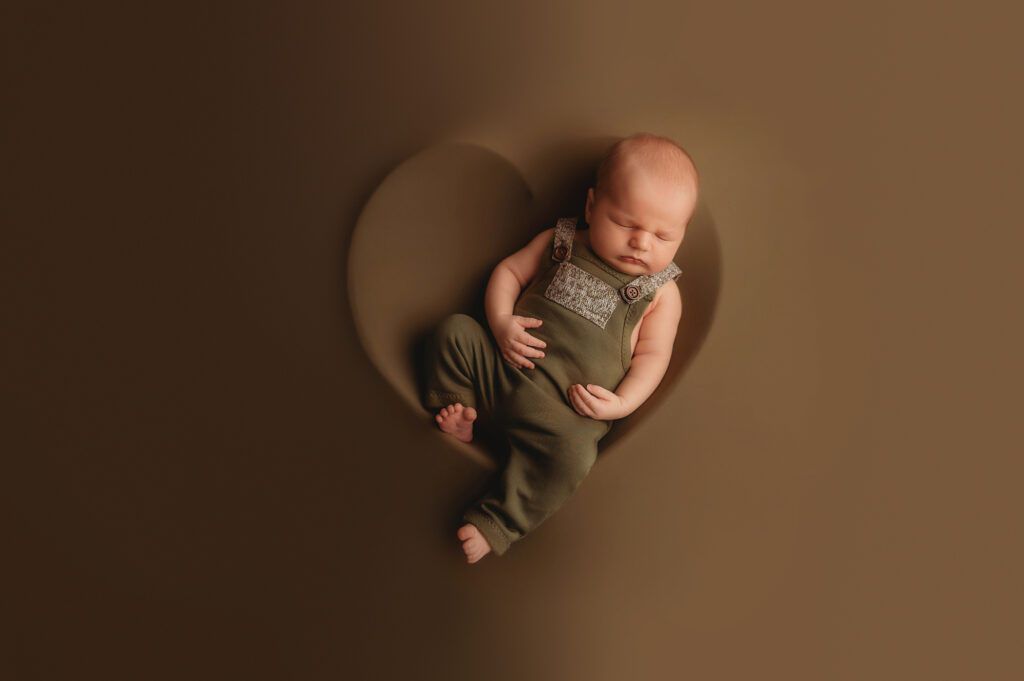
[[463, 371], [548, 459], [461, 365]]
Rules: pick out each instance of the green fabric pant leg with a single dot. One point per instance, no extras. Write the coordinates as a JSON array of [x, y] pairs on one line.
[[545, 466], [463, 366], [551, 447]]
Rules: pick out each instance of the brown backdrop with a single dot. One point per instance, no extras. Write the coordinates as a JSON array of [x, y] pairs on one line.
[[204, 478]]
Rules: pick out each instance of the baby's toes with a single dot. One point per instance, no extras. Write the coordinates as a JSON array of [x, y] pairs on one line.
[[469, 414]]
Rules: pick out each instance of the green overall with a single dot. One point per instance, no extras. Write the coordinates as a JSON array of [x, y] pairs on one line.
[[589, 312]]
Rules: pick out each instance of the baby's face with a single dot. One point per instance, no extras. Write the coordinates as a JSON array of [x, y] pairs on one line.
[[638, 222]]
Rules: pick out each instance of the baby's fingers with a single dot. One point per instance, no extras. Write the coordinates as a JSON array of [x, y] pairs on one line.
[[527, 339], [582, 401], [517, 360], [575, 402], [586, 398], [528, 322], [526, 350]]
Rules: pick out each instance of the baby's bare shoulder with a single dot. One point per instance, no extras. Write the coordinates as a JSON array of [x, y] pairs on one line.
[[668, 295], [525, 262], [665, 310], [541, 241]]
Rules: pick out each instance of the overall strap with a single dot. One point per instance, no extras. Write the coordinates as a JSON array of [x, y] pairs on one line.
[[641, 286], [565, 230]]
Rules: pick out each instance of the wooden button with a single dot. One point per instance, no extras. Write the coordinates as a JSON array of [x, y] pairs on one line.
[[632, 292], [561, 252]]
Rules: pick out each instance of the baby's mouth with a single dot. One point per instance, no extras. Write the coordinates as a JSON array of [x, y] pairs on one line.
[[631, 259]]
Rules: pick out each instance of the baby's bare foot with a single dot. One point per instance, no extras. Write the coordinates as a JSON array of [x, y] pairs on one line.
[[473, 543], [457, 420]]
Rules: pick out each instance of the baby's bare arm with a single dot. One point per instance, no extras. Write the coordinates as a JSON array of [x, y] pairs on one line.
[[653, 349], [647, 368], [507, 281]]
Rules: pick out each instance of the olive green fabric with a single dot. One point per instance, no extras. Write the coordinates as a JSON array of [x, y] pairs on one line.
[[551, 448]]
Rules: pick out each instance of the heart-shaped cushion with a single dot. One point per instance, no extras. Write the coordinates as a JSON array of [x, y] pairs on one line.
[[429, 236]]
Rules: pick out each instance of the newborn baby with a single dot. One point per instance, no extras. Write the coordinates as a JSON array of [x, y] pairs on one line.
[[583, 320]]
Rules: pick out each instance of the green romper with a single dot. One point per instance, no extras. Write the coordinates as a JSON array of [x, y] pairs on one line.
[[589, 312]]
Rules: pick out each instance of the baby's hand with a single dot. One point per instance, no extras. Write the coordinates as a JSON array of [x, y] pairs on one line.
[[515, 343], [597, 403]]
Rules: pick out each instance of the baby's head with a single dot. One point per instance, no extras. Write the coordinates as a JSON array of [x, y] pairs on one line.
[[645, 195]]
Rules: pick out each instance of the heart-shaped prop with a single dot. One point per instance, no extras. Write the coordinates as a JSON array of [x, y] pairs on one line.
[[427, 240]]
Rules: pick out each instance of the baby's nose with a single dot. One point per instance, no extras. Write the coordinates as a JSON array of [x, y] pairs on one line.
[[641, 239]]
